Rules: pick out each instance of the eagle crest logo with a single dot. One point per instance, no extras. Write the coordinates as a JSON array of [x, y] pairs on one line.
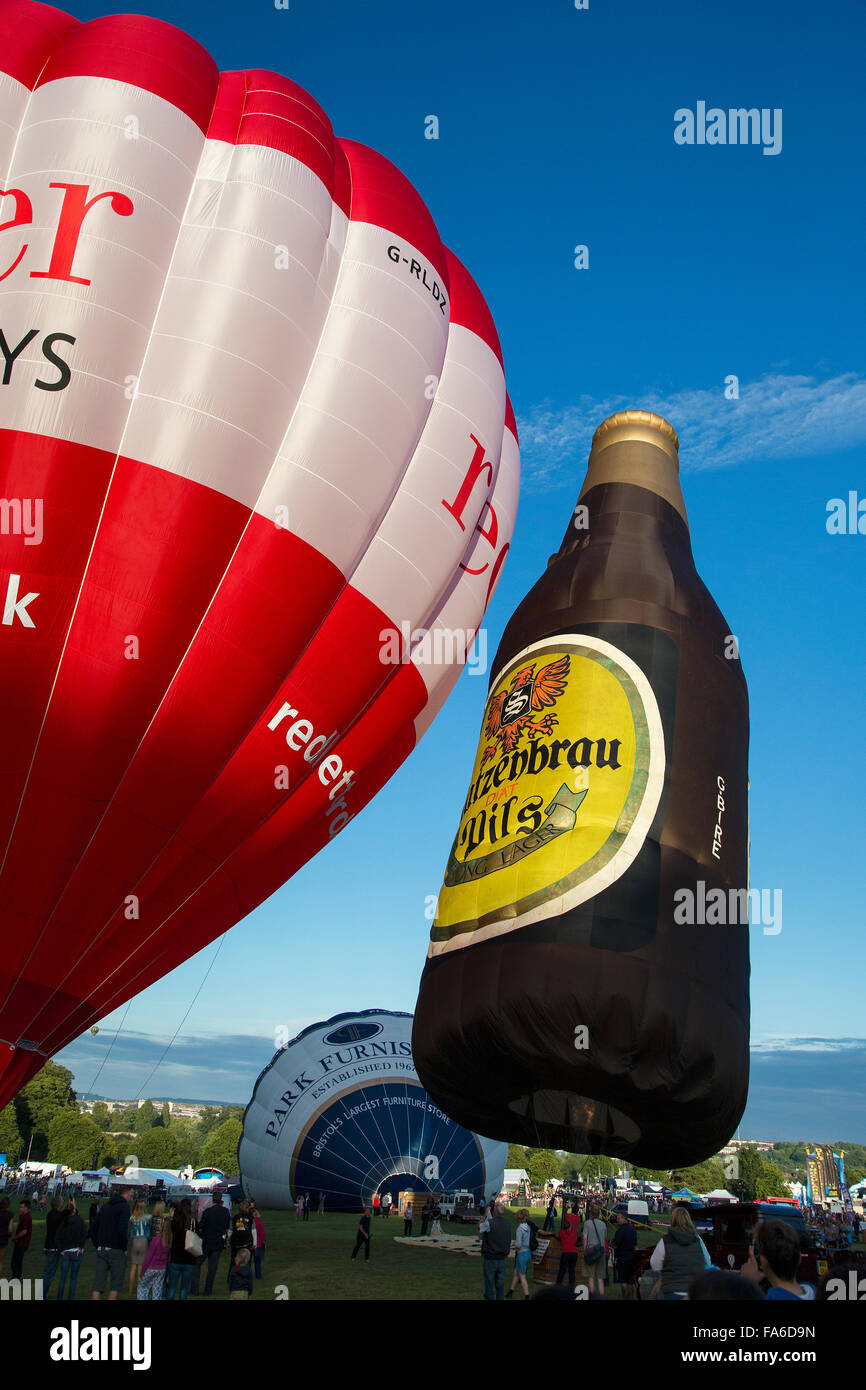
[[512, 712]]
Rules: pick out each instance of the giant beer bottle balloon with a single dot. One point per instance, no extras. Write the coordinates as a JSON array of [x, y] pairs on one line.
[[586, 986]]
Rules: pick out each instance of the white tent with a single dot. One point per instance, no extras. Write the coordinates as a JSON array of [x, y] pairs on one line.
[[147, 1177], [513, 1177], [719, 1195]]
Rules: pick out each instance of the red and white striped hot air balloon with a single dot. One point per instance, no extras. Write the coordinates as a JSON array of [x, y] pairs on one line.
[[252, 417]]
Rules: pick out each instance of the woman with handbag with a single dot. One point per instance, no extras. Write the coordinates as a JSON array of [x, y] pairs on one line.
[[595, 1250], [185, 1246]]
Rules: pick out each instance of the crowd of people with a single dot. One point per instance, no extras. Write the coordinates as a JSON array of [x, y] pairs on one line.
[[158, 1255], [679, 1266]]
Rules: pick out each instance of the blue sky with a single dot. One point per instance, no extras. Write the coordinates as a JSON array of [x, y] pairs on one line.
[[556, 129]]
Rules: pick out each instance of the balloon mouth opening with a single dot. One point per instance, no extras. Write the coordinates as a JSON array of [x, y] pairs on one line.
[[402, 1182], [592, 1124]]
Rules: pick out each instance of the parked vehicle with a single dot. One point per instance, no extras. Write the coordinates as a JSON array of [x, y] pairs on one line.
[[458, 1206], [727, 1233]]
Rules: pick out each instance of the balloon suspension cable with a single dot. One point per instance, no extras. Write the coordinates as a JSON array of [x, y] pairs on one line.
[[110, 1046], [184, 1019]]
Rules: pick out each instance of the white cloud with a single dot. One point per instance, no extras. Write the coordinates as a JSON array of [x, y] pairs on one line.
[[811, 1044], [775, 417]]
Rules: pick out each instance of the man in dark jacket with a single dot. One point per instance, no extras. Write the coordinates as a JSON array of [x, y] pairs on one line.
[[53, 1221], [624, 1248], [21, 1239], [213, 1230], [495, 1247], [112, 1229]]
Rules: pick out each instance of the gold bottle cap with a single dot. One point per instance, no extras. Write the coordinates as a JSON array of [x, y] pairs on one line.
[[639, 447]]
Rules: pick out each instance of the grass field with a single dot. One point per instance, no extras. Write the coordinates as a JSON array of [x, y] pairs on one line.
[[311, 1260]]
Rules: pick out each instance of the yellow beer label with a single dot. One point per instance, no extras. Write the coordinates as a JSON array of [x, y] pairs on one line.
[[566, 781]]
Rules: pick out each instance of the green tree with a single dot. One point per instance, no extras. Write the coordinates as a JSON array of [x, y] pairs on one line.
[[770, 1182], [854, 1175], [541, 1165], [701, 1177], [661, 1175], [185, 1134], [10, 1134], [158, 1148], [74, 1139], [569, 1167], [751, 1166], [230, 1112], [100, 1114], [208, 1121], [220, 1149], [41, 1099], [516, 1156], [166, 1114], [144, 1117]]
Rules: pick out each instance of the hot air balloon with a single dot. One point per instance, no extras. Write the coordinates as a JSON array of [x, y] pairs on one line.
[[340, 1110], [253, 423]]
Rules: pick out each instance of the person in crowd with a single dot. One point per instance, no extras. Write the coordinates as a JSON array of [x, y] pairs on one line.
[[408, 1217], [306, 1206], [92, 1222], [299, 1208], [774, 1256], [214, 1230], [71, 1235], [624, 1254], [568, 1236], [112, 1238], [154, 1267], [594, 1245], [376, 1205], [53, 1221], [362, 1236], [522, 1253], [243, 1235], [259, 1249], [386, 1204], [321, 1204], [6, 1220], [181, 1259], [436, 1219], [139, 1235], [21, 1239], [241, 1275], [426, 1216], [679, 1255], [550, 1218], [495, 1231]]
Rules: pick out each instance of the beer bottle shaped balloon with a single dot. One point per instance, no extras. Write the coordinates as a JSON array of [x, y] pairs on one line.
[[586, 986]]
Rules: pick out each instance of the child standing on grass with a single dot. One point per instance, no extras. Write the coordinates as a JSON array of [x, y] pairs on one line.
[[155, 1265], [241, 1276]]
